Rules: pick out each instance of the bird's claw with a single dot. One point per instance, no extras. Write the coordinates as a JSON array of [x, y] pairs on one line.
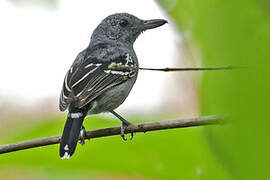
[[131, 136], [123, 128], [82, 136]]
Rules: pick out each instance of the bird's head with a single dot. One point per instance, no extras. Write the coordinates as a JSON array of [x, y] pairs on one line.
[[123, 28]]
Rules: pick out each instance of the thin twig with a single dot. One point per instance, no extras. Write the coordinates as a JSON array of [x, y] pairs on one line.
[[142, 127], [191, 69]]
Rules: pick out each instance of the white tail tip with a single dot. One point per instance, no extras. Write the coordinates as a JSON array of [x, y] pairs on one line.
[[66, 156]]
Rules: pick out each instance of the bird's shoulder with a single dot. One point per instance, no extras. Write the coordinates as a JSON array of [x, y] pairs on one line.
[[107, 57]]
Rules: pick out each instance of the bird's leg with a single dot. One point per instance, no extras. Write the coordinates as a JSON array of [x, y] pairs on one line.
[[125, 124], [82, 135]]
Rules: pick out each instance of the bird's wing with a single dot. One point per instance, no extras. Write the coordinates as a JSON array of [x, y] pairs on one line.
[[89, 79]]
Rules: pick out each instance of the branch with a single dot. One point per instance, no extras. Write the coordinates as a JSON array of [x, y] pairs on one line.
[[191, 69], [142, 127]]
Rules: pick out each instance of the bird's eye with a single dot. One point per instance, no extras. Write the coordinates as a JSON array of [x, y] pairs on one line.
[[123, 23]]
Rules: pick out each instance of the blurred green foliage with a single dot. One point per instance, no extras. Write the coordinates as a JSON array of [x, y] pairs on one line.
[[172, 154], [233, 33]]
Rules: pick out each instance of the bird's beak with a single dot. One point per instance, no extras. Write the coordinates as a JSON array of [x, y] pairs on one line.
[[153, 23]]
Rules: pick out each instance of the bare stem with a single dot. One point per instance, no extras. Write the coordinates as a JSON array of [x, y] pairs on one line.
[[191, 69], [142, 127]]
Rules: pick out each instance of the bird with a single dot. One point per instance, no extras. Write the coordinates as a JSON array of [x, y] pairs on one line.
[[102, 76]]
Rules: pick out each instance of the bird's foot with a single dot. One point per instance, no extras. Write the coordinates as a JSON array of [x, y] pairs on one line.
[[82, 135], [124, 126]]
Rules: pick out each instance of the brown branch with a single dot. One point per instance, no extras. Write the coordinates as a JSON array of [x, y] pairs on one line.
[[143, 127], [191, 69]]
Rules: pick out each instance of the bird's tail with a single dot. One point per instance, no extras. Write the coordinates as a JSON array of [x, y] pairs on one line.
[[71, 132]]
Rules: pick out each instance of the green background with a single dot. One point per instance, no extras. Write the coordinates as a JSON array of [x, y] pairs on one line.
[[233, 33]]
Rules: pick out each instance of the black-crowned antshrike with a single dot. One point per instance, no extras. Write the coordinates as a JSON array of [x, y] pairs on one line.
[[102, 75]]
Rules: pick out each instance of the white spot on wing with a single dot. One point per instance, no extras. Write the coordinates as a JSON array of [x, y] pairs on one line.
[[116, 72], [107, 71], [128, 59]]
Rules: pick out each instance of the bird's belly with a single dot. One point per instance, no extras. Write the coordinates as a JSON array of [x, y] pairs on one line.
[[112, 98]]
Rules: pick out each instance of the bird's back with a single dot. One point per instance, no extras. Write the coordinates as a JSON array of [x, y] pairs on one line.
[[93, 69]]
